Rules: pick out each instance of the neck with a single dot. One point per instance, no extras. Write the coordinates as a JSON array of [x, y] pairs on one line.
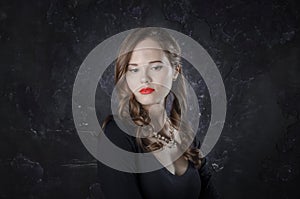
[[158, 115]]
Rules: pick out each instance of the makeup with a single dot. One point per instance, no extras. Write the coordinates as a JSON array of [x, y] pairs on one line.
[[146, 91]]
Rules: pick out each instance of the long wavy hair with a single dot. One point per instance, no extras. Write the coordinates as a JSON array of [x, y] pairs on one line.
[[135, 111]]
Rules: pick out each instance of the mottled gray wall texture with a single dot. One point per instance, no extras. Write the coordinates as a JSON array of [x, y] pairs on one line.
[[255, 45]]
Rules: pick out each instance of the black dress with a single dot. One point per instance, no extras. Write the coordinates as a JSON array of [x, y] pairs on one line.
[[159, 184]]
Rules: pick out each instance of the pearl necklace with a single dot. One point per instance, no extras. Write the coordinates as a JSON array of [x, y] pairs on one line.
[[169, 142]]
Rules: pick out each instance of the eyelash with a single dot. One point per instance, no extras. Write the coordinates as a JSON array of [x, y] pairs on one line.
[[134, 70], [157, 67]]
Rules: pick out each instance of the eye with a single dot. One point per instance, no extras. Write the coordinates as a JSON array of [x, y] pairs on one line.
[[156, 67], [133, 70]]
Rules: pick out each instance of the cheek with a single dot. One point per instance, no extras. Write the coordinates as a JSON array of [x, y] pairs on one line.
[[165, 79], [131, 82]]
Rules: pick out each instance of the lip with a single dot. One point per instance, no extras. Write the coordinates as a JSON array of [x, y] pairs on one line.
[[146, 90]]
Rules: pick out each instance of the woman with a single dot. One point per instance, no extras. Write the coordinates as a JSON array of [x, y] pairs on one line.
[[148, 70]]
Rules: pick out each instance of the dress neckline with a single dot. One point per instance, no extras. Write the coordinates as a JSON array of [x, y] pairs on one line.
[[178, 176]]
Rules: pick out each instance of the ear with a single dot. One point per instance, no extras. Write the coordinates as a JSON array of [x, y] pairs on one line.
[[176, 72]]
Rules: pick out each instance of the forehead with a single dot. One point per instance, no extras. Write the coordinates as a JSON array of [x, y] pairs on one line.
[[147, 51]]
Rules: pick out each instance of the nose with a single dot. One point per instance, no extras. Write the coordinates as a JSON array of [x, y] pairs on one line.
[[145, 78]]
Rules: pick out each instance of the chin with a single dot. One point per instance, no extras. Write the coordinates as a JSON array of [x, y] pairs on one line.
[[147, 102]]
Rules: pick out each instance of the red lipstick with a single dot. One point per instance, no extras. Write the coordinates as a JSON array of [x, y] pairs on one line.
[[146, 90]]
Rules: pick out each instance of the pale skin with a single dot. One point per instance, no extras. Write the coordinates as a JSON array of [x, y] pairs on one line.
[[149, 67]]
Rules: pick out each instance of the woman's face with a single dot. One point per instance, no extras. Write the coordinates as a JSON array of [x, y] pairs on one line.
[[149, 74]]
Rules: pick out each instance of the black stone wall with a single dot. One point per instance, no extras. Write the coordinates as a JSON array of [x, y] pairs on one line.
[[255, 44]]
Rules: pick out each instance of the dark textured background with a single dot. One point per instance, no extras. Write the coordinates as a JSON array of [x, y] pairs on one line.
[[255, 45]]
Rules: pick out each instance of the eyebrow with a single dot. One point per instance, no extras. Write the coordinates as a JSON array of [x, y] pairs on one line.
[[151, 62]]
